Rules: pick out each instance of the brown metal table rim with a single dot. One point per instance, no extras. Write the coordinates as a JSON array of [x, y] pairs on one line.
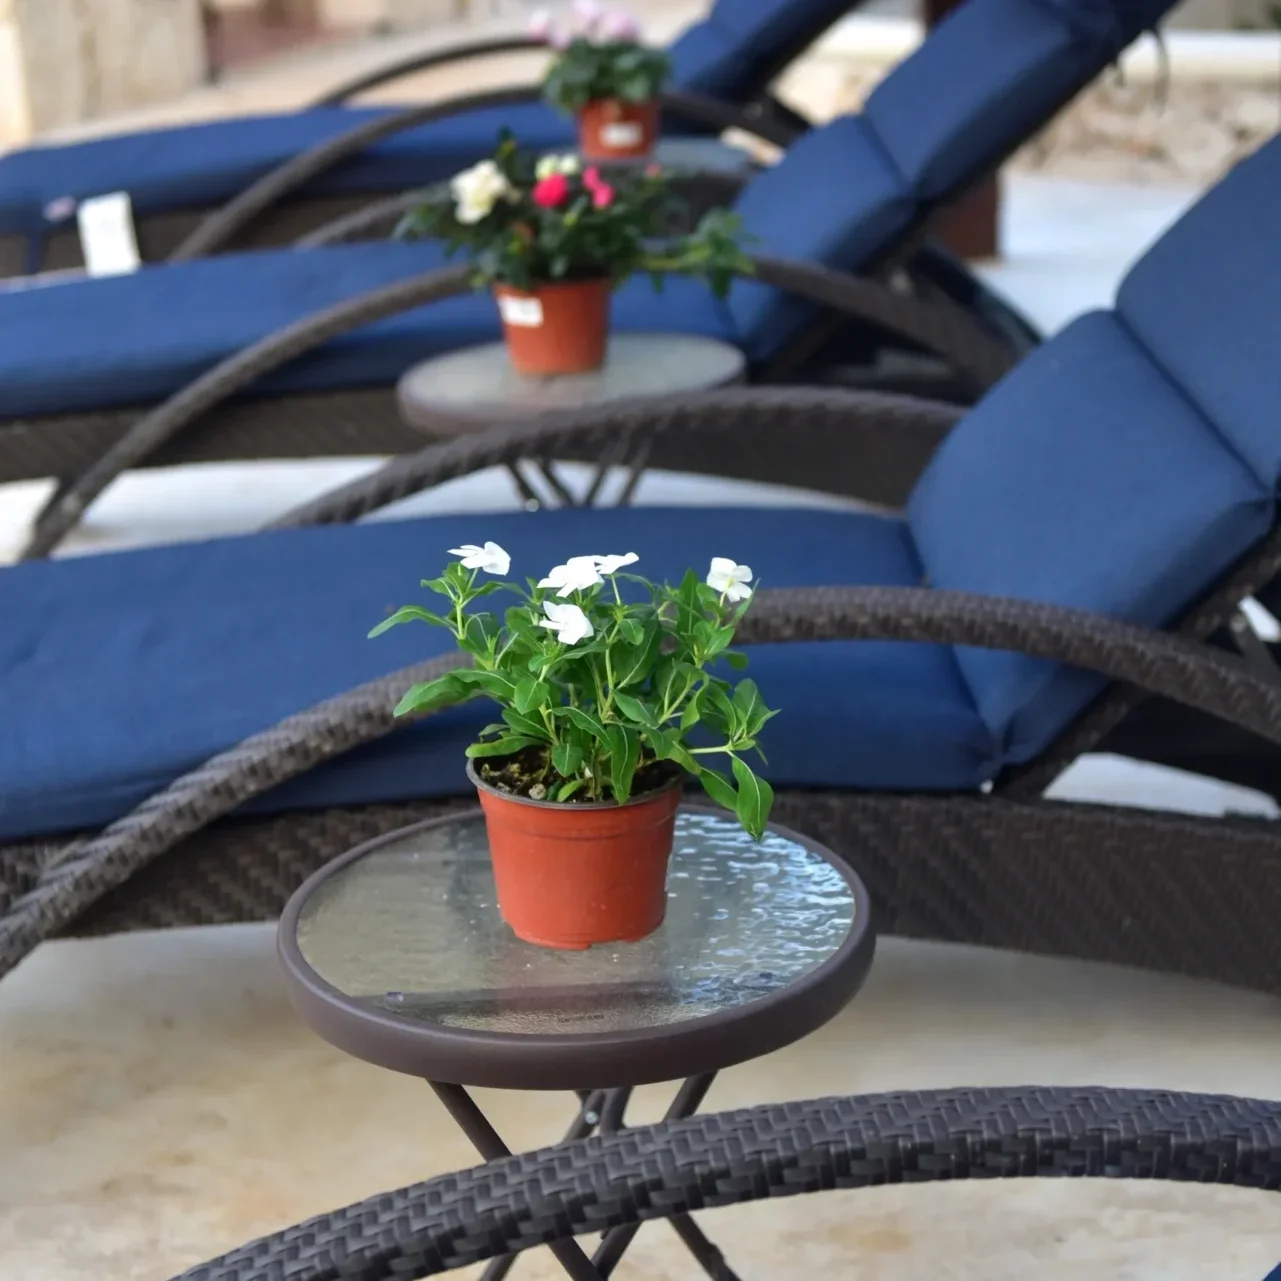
[[477, 387], [701, 1003]]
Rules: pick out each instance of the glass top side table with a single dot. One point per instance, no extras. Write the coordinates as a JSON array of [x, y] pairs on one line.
[[396, 953]]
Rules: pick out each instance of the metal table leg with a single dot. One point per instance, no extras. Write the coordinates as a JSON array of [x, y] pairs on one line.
[[604, 1110]]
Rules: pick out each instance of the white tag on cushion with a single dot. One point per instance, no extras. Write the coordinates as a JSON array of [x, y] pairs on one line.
[[107, 237], [523, 313], [623, 133]]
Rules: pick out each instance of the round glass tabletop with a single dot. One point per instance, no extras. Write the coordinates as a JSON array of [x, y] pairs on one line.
[[405, 937]]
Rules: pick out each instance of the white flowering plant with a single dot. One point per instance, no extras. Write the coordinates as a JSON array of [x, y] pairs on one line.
[[527, 221], [599, 56], [603, 679]]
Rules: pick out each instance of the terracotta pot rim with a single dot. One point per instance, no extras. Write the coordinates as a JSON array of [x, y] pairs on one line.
[[577, 807], [603, 279]]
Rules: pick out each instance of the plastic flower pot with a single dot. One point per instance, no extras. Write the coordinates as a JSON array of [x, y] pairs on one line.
[[556, 328], [569, 876], [610, 129]]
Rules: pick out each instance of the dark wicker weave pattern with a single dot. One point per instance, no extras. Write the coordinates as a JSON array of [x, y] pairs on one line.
[[233, 217], [946, 330], [775, 1151]]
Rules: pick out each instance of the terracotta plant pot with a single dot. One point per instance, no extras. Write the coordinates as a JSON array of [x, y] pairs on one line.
[[609, 129], [556, 329], [569, 876]]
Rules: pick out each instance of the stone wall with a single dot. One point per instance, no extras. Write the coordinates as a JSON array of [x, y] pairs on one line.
[[66, 61]]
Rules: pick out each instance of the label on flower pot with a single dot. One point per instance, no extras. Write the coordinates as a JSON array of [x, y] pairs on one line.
[[623, 133], [524, 313]]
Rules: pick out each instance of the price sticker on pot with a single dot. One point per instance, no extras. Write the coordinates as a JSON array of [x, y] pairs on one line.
[[107, 237], [523, 313], [623, 133]]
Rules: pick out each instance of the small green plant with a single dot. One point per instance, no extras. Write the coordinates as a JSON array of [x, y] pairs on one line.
[[600, 688], [600, 57], [526, 222]]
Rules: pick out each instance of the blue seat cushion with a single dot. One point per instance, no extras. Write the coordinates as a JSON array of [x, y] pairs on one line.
[[834, 199], [119, 672], [1230, 367], [95, 344], [194, 166], [989, 75], [1085, 479]]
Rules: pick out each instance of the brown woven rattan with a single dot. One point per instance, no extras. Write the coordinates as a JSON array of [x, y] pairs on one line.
[[1191, 895], [780, 1150], [943, 329]]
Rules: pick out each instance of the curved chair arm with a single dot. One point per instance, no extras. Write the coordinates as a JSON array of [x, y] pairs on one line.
[[433, 58], [778, 1150], [1195, 675], [941, 328], [885, 440], [220, 226]]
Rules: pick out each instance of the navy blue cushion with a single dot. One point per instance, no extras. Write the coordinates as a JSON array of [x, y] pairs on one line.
[[833, 199], [198, 165], [989, 75], [1214, 326], [118, 672], [1084, 479], [114, 341]]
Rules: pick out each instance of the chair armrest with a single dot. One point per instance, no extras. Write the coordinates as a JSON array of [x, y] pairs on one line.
[[428, 61], [884, 441], [219, 227], [588, 1186], [1161, 664]]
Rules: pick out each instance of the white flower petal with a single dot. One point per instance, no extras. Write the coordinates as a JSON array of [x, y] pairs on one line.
[[491, 558], [577, 574], [612, 564], [569, 622], [730, 578]]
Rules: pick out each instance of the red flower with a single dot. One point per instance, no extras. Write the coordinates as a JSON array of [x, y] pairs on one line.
[[602, 195], [551, 192], [591, 178]]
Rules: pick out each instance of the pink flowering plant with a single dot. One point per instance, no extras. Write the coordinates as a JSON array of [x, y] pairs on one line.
[[604, 691], [600, 56], [527, 222]]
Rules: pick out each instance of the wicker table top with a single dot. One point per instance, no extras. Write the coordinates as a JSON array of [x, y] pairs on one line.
[[397, 954], [477, 386]]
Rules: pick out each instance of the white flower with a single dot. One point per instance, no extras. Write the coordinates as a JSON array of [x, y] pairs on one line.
[[491, 558], [568, 622], [729, 578], [589, 13], [477, 190], [577, 574], [612, 564], [619, 26], [548, 166], [540, 24]]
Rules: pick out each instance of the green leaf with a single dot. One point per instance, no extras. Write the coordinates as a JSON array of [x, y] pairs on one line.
[[524, 724], [664, 743], [690, 716], [494, 684], [716, 708], [624, 756], [586, 722], [567, 759], [750, 707], [432, 694], [755, 799], [408, 614], [501, 747], [636, 711], [736, 660], [566, 790], [634, 664], [631, 631], [530, 694], [719, 788], [718, 640]]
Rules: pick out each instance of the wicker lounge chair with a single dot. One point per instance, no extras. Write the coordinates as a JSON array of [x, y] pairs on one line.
[[176, 177], [71, 384], [1121, 482], [609, 1183]]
